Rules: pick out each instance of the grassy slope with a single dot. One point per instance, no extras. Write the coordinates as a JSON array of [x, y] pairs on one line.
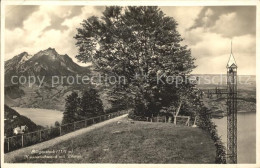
[[139, 142]]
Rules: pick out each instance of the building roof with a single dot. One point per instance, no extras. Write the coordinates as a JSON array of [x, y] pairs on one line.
[[231, 62]]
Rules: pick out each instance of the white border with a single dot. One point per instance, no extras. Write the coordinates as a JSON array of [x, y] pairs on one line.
[[124, 3], [134, 2], [2, 83]]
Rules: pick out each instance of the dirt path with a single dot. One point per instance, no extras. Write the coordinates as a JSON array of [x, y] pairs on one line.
[[9, 157]]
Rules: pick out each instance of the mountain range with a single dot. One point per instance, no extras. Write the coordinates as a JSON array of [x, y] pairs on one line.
[[45, 63], [50, 63]]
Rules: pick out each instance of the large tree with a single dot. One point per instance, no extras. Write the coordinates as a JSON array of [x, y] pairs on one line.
[[71, 108], [142, 44], [90, 104]]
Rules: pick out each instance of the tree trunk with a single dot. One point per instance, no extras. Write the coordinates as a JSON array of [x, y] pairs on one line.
[[177, 113]]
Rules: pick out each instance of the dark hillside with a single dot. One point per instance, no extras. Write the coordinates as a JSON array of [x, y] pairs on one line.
[[12, 122]]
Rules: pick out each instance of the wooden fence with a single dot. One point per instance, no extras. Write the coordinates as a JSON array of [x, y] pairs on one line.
[[31, 138], [180, 120]]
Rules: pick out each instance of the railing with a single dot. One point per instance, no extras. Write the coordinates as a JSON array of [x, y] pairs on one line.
[[180, 120], [31, 138], [210, 92]]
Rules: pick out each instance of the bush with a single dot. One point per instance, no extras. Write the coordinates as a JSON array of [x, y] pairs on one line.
[[56, 124], [133, 116], [115, 108], [204, 122]]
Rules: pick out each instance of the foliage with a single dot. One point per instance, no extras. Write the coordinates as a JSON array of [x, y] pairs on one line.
[[191, 104], [78, 108], [206, 124], [56, 124], [142, 45], [119, 101], [71, 108], [136, 117], [19, 121], [90, 104]]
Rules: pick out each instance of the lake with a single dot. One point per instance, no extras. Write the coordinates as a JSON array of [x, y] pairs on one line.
[[43, 117], [246, 136]]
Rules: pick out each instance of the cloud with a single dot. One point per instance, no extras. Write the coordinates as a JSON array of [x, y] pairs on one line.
[[217, 64], [58, 14], [49, 26], [206, 30], [180, 14], [211, 33], [230, 25], [15, 15], [219, 19], [213, 50]]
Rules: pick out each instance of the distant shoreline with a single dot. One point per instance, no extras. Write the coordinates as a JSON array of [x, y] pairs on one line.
[[36, 108]]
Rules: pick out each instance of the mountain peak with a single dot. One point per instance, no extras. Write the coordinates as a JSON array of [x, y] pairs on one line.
[[24, 53], [22, 57], [50, 50], [49, 53], [44, 63]]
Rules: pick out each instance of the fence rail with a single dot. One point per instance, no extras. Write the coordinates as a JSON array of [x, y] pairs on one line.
[[180, 120], [31, 138]]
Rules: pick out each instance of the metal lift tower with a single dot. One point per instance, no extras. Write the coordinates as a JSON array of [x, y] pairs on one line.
[[231, 93], [231, 109]]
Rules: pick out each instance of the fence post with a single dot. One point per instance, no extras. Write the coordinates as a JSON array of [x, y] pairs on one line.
[[85, 123], [40, 135], [22, 140], [8, 144], [60, 130], [188, 121], [74, 126], [93, 120]]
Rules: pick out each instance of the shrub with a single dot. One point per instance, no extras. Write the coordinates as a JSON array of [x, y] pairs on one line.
[[204, 122], [133, 116]]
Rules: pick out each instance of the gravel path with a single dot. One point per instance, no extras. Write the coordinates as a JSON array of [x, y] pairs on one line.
[[9, 157]]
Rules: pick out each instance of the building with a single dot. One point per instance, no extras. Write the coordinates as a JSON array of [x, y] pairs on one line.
[[20, 130]]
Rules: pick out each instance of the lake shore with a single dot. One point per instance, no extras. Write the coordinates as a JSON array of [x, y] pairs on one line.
[[246, 135], [43, 117]]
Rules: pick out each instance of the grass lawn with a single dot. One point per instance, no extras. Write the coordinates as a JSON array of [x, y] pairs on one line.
[[138, 142]]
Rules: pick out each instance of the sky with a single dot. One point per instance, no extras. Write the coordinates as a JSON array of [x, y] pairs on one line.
[[207, 30]]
